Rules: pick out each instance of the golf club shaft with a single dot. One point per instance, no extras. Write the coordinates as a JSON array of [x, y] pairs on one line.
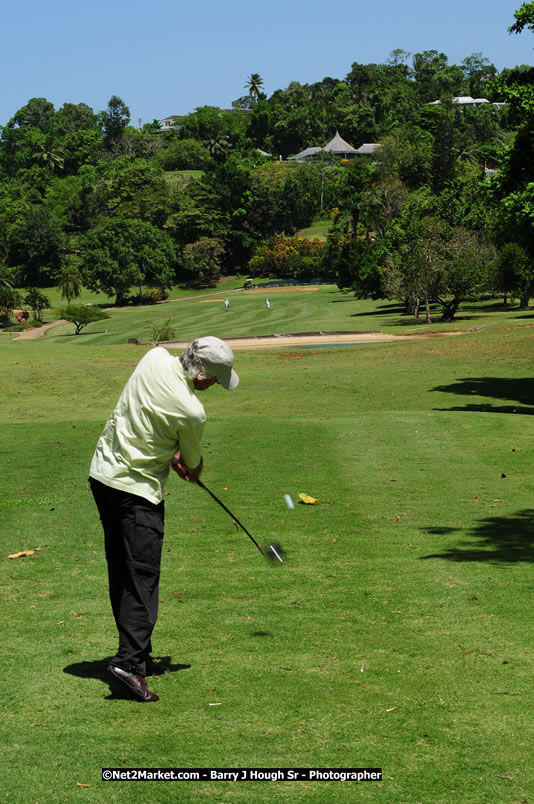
[[236, 520]]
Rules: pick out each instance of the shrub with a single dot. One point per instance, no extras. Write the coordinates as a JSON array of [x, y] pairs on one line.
[[150, 297], [164, 332], [288, 258]]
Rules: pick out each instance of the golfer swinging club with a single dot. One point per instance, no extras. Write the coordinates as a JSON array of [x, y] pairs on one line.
[[157, 423]]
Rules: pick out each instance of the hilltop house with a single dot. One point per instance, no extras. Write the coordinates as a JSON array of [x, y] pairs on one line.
[[171, 123]]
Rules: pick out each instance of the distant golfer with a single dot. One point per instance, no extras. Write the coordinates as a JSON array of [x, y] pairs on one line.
[[267, 303], [226, 304], [157, 423]]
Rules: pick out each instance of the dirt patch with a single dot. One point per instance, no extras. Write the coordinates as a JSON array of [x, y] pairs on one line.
[[315, 339]]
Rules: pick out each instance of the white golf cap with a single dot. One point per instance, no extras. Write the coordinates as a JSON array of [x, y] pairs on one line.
[[217, 360]]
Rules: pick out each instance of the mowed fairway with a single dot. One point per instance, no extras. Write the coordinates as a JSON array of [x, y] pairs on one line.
[[397, 635]]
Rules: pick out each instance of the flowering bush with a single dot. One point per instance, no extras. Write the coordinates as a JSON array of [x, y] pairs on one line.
[[288, 258], [162, 333]]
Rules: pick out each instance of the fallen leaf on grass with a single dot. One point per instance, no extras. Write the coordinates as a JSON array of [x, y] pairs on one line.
[[307, 500], [76, 614], [21, 554]]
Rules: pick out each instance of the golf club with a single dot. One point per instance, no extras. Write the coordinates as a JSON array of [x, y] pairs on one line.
[[273, 552]]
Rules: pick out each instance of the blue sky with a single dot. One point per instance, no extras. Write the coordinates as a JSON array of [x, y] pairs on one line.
[[168, 57]]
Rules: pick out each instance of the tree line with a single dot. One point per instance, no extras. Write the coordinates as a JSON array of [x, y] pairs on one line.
[[87, 198]]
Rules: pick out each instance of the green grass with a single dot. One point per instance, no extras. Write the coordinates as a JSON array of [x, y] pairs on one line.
[[92, 297], [178, 178], [415, 565], [318, 229], [292, 311]]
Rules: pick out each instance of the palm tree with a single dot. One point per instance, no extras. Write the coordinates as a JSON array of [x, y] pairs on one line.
[[70, 283], [219, 146], [254, 85], [55, 161], [6, 277]]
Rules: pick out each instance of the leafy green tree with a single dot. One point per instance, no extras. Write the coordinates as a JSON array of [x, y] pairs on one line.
[[119, 254], [443, 148], [37, 244], [114, 121], [467, 273], [202, 261], [37, 302], [513, 185], [434, 77], [76, 136], [353, 263], [511, 273], [37, 113], [207, 123], [477, 71], [352, 203], [135, 189], [432, 262], [182, 154], [196, 214], [407, 154], [524, 18], [81, 315], [414, 270]]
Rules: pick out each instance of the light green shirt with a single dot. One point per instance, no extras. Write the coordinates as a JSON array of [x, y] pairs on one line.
[[156, 415]]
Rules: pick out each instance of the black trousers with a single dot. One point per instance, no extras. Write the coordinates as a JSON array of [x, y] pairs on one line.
[[133, 531]]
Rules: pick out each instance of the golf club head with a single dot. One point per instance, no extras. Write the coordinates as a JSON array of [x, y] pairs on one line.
[[274, 553]]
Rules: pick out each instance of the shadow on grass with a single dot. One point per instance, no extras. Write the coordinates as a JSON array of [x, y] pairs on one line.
[[501, 540], [98, 669], [520, 390], [382, 312], [80, 334]]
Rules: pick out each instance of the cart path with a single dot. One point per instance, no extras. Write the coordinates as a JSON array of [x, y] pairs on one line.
[[36, 332]]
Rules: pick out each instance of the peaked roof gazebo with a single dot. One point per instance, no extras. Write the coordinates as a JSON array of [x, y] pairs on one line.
[[337, 146]]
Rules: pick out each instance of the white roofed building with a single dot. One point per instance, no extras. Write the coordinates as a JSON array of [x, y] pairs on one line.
[[467, 100]]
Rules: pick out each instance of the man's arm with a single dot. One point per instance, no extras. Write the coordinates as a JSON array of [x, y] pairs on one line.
[[184, 471]]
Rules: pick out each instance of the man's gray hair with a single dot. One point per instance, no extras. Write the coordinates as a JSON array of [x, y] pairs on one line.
[[191, 363]]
